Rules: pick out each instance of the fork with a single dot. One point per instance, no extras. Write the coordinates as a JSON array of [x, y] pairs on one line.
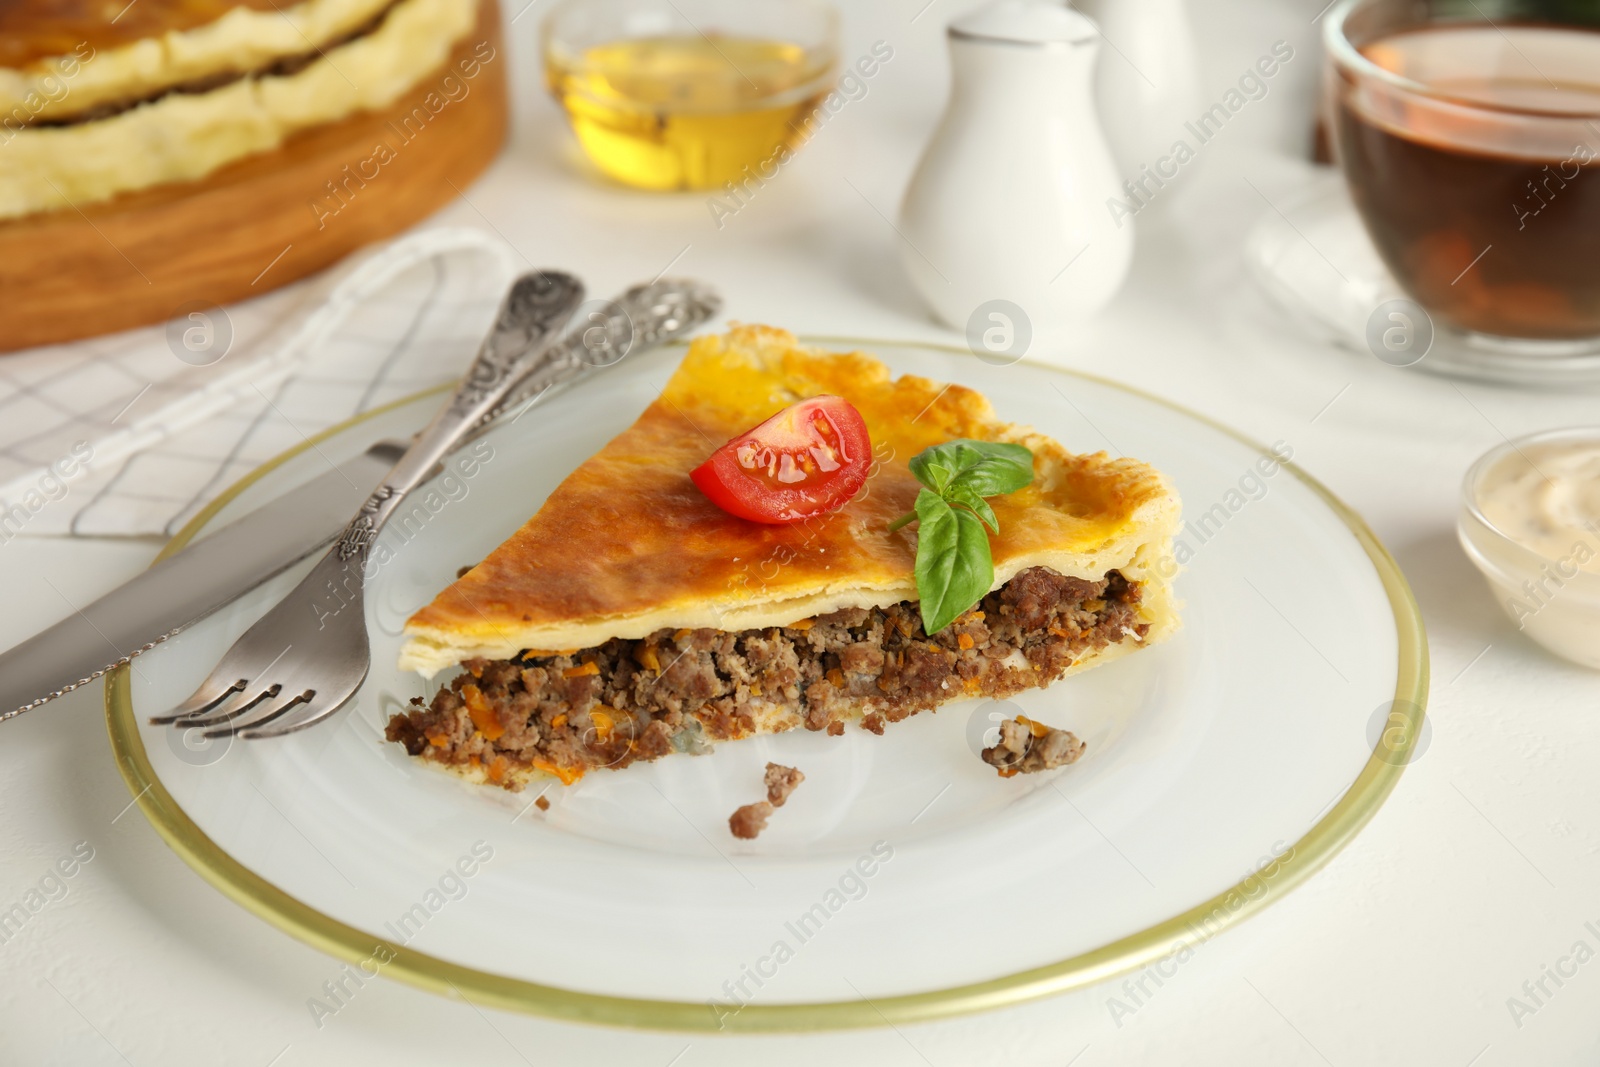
[[642, 317], [307, 657]]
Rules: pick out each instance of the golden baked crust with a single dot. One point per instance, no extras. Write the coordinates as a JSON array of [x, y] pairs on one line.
[[627, 545], [186, 136], [67, 57], [31, 30]]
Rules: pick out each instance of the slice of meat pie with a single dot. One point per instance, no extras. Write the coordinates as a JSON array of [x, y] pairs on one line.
[[632, 617]]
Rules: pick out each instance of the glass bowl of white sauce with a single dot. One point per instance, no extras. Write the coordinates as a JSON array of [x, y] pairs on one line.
[[1530, 521]]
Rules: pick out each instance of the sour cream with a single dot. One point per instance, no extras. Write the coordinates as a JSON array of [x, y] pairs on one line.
[[1530, 520], [1546, 497]]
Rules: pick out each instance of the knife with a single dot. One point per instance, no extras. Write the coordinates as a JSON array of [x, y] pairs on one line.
[[212, 572], [189, 585]]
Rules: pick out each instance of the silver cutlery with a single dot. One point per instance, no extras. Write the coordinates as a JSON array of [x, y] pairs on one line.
[[217, 568], [303, 660]]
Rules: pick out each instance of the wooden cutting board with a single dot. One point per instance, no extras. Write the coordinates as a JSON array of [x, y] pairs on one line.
[[261, 222]]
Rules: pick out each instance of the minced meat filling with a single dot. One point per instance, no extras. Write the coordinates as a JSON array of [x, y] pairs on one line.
[[1027, 747], [674, 691]]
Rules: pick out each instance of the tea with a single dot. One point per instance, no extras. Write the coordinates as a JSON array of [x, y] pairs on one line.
[[1486, 214], [687, 112]]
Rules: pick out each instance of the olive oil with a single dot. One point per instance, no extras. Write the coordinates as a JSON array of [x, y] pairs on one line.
[[688, 112]]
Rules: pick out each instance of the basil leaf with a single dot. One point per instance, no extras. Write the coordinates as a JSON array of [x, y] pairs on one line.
[[954, 566], [960, 493], [985, 467], [934, 467]]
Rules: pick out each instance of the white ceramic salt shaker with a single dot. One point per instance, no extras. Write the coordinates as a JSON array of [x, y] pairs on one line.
[[1008, 235], [1148, 82]]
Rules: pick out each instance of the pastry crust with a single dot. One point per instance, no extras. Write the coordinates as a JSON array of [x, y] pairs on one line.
[[65, 57], [627, 545], [184, 136]]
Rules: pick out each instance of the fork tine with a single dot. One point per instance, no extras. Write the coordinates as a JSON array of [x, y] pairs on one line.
[[205, 699], [241, 706], [311, 713], [247, 729]]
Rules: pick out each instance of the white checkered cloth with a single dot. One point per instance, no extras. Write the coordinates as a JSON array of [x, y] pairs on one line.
[[168, 426]]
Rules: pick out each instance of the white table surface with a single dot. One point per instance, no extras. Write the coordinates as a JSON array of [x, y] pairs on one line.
[[1480, 871]]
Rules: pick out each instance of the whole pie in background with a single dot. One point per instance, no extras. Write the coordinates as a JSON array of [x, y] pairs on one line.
[[101, 98], [162, 156]]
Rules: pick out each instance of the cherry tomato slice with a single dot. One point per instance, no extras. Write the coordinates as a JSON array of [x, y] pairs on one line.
[[808, 459]]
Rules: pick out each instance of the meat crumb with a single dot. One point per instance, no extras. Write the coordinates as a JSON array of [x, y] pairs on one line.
[[750, 820], [836, 728], [873, 722], [1026, 747], [541, 803], [781, 781]]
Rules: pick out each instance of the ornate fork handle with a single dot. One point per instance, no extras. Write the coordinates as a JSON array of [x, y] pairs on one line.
[[639, 319], [537, 307]]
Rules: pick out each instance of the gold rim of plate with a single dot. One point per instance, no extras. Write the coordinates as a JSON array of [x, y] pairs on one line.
[[1201, 922]]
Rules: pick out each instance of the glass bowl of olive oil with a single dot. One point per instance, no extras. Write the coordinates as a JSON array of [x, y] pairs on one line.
[[690, 94]]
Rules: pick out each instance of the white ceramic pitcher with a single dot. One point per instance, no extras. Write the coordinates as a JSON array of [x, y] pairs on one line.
[[1007, 212]]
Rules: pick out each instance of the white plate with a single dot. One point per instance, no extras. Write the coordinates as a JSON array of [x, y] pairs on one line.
[[1223, 767]]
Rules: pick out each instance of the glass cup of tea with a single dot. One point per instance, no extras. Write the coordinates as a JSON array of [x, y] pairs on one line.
[[690, 94], [1469, 134]]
